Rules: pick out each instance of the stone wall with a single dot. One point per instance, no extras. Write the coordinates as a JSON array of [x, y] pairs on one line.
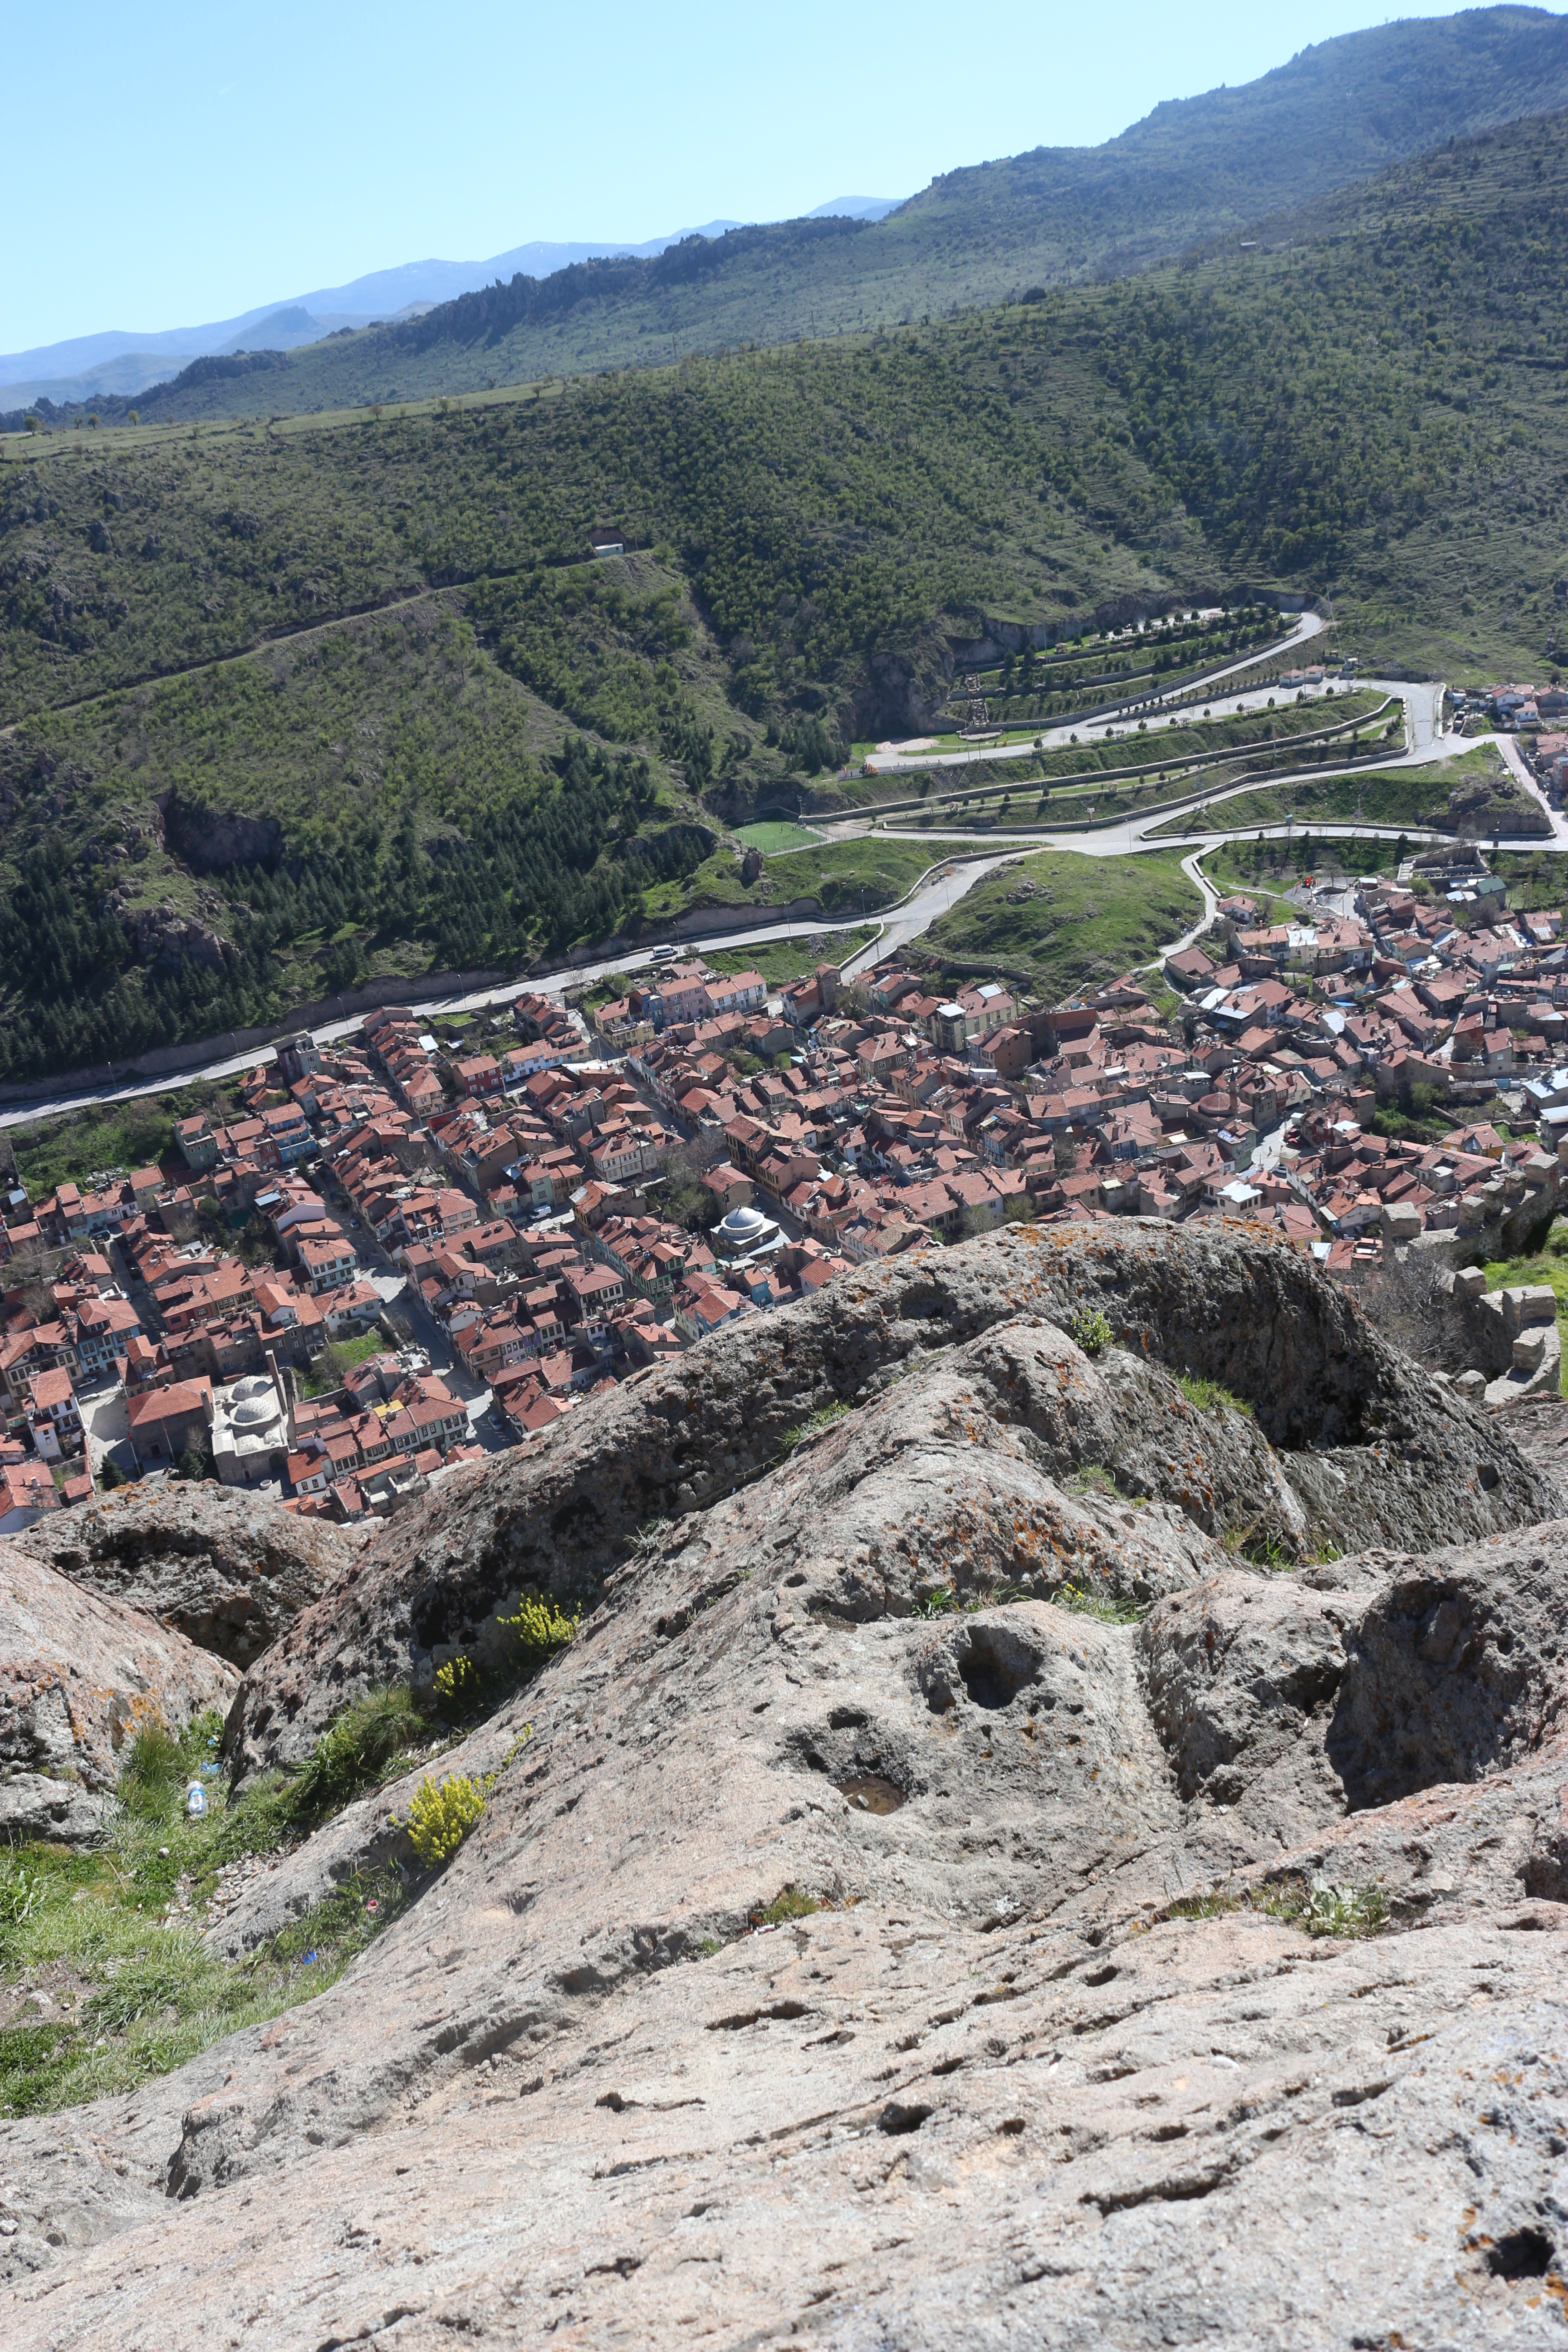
[[1517, 1347]]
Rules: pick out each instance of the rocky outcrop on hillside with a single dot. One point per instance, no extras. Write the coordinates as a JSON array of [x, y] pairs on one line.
[[976, 1413], [78, 1678], [1485, 805], [210, 840], [926, 1906], [225, 1568]]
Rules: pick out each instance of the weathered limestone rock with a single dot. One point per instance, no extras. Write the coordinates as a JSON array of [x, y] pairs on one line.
[[1030, 2075], [230, 1571], [79, 1676], [1347, 1444]]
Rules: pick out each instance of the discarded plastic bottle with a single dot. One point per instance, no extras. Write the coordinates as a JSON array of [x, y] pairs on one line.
[[196, 1798]]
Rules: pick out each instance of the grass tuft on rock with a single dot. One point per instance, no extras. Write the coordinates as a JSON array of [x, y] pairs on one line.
[[790, 1903], [1211, 1396], [1317, 1907], [1105, 1606], [104, 1979], [354, 1753], [153, 1769]]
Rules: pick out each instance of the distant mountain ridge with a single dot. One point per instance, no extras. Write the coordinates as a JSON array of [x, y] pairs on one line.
[[1192, 172], [117, 362]]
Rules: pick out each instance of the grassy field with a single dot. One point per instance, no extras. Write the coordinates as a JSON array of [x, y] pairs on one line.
[[338, 1359], [1276, 867], [772, 837], [845, 877], [1070, 922], [780, 961]]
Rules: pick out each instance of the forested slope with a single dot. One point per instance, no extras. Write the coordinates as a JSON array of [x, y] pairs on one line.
[[1337, 114], [1370, 405]]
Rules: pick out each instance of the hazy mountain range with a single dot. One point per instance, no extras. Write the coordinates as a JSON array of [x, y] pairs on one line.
[[116, 361], [1193, 172]]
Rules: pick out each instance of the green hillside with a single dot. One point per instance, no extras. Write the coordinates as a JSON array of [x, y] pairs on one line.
[[1059, 921], [349, 694], [1194, 169]]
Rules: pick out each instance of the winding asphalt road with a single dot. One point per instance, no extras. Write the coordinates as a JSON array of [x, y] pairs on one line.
[[1056, 739], [937, 890], [967, 858]]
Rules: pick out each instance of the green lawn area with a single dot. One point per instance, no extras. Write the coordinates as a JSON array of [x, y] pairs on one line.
[[844, 876], [779, 960], [129, 1135], [336, 1361], [1550, 1265], [774, 836], [1070, 921], [1263, 867], [851, 877]]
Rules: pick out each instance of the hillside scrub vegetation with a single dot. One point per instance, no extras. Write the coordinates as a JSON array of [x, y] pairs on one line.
[[533, 750], [1061, 921]]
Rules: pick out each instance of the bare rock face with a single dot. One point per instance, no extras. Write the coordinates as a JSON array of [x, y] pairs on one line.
[[1457, 1671], [165, 936], [227, 1570], [78, 1678], [989, 1450], [864, 1938], [210, 840]]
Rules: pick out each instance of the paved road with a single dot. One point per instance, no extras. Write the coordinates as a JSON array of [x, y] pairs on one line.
[[931, 899], [932, 896], [1137, 834], [1195, 873], [1423, 727], [1515, 760], [1057, 738]]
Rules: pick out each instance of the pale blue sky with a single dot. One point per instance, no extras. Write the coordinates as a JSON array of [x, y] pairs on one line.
[[173, 165]]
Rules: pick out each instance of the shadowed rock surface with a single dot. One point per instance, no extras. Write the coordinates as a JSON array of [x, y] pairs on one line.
[[1031, 2074], [227, 1570]]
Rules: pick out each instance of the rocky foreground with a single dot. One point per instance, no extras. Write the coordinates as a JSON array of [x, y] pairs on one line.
[[1074, 1697]]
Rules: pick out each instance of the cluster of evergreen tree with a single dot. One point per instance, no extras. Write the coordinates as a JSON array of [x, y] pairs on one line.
[[560, 861], [77, 993]]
